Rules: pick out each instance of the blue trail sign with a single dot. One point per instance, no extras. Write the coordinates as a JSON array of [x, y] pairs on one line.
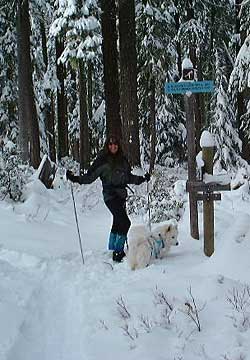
[[183, 87]]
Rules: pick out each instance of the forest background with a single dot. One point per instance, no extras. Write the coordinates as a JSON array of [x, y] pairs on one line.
[[72, 71]]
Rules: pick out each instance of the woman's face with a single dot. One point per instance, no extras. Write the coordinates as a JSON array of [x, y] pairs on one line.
[[113, 146]]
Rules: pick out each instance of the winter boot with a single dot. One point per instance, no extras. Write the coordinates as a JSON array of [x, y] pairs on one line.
[[118, 255]]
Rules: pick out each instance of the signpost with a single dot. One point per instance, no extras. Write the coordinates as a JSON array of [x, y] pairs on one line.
[[189, 108], [198, 190], [183, 87]]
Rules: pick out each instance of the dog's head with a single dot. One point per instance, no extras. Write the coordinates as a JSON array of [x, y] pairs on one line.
[[168, 232]]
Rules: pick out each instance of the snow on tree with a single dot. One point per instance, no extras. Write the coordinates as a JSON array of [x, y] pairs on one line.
[[223, 122], [81, 29], [8, 74], [155, 31], [77, 23], [240, 83], [171, 133], [240, 76], [44, 74]]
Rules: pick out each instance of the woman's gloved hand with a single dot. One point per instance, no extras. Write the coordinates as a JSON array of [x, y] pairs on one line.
[[147, 177], [70, 176]]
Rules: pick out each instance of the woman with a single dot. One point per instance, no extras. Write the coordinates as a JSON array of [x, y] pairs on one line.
[[113, 169]]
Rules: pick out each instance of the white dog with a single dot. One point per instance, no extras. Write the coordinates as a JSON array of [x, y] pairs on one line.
[[145, 246]]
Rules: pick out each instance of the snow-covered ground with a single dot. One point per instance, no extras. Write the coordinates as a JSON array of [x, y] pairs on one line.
[[52, 307]]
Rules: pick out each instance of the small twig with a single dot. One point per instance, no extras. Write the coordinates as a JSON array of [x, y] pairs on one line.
[[46, 215], [225, 357], [122, 309], [127, 332], [162, 300], [107, 263], [146, 324], [103, 324], [192, 310], [239, 300]]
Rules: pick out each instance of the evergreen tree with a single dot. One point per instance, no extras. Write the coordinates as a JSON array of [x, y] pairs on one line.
[[240, 79], [45, 84], [8, 74], [223, 124], [77, 21], [156, 31]]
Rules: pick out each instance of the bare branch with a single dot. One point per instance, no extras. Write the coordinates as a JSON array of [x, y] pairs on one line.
[[240, 302], [146, 323], [192, 311], [103, 324], [128, 333], [122, 309], [107, 263], [162, 299]]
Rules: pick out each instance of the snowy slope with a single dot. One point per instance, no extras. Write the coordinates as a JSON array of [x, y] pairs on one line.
[[53, 307]]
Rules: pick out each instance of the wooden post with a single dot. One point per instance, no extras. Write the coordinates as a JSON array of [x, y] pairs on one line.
[[189, 108], [208, 204]]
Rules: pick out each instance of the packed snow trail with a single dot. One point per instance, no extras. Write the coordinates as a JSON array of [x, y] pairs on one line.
[[53, 307], [70, 305], [55, 322]]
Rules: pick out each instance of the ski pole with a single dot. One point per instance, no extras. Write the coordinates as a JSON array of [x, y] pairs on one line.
[[77, 224]]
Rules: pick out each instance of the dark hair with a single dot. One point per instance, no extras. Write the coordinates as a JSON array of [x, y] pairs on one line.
[[113, 139]]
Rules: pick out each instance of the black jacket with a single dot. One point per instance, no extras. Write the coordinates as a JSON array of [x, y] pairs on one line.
[[114, 172]]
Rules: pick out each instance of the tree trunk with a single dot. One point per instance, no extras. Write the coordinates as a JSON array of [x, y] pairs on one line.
[[178, 45], [10, 74], [110, 62], [90, 91], [128, 80], [152, 126], [50, 117], [199, 106], [90, 104], [29, 129], [62, 125], [75, 150], [44, 43], [49, 111], [84, 127]]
